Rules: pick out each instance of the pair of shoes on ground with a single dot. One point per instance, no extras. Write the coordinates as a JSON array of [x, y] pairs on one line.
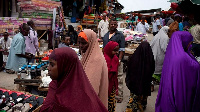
[[10, 71], [152, 88]]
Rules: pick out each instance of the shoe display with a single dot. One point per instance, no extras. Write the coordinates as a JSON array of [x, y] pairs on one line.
[[11, 101]]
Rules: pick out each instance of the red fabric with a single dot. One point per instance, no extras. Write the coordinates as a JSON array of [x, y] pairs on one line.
[[112, 63], [73, 93], [174, 6]]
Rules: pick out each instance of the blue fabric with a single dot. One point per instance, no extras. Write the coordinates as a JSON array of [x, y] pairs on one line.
[[17, 47], [180, 26]]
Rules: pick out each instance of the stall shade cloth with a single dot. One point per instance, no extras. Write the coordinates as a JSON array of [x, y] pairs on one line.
[[141, 67], [196, 2], [74, 92], [159, 46], [179, 89], [95, 67], [112, 63]]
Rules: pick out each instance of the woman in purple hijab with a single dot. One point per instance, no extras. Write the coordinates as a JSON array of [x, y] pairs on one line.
[[180, 82]]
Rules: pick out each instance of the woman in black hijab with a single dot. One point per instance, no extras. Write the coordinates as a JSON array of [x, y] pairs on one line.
[[73, 35], [141, 67]]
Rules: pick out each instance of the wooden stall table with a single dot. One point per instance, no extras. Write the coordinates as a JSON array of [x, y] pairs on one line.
[[41, 56], [31, 82], [27, 82], [43, 89]]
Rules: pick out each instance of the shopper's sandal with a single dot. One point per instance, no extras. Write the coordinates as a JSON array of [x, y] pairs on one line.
[[152, 88], [10, 71]]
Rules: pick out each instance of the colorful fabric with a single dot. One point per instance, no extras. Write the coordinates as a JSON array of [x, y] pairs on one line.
[[72, 87], [136, 103], [112, 63], [83, 35], [95, 67], [179, 89], [112, 101]]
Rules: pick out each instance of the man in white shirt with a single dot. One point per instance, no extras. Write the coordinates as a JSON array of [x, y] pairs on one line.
[[103, 26], [156, 25], [5, 43], [142, 26]]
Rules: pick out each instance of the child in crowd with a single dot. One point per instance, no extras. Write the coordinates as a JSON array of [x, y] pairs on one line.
[[65, 41], [110, 51]]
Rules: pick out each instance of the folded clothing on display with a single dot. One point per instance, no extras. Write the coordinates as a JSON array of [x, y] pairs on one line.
[[11, 24]]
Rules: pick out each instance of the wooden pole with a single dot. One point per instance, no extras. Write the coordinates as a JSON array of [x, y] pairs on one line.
[[42, 35]]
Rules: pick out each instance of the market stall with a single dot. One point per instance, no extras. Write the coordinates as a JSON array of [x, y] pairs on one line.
[[35, 75], [40, 11], [33, 78], [46, 15]]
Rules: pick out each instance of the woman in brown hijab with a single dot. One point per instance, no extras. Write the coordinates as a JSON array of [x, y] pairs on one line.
[[94, 64], [175, 25]]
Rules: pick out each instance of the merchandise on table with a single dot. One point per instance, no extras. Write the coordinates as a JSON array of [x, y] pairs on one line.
[[134, 36], [18, 101]]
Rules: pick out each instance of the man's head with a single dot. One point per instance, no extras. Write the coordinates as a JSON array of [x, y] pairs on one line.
[[172, 16], [178, 17], [5, 34], [31, 24], [113, 25], [104, 16], [66, 40], [24, 29], [155, 17], [143, 19]]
